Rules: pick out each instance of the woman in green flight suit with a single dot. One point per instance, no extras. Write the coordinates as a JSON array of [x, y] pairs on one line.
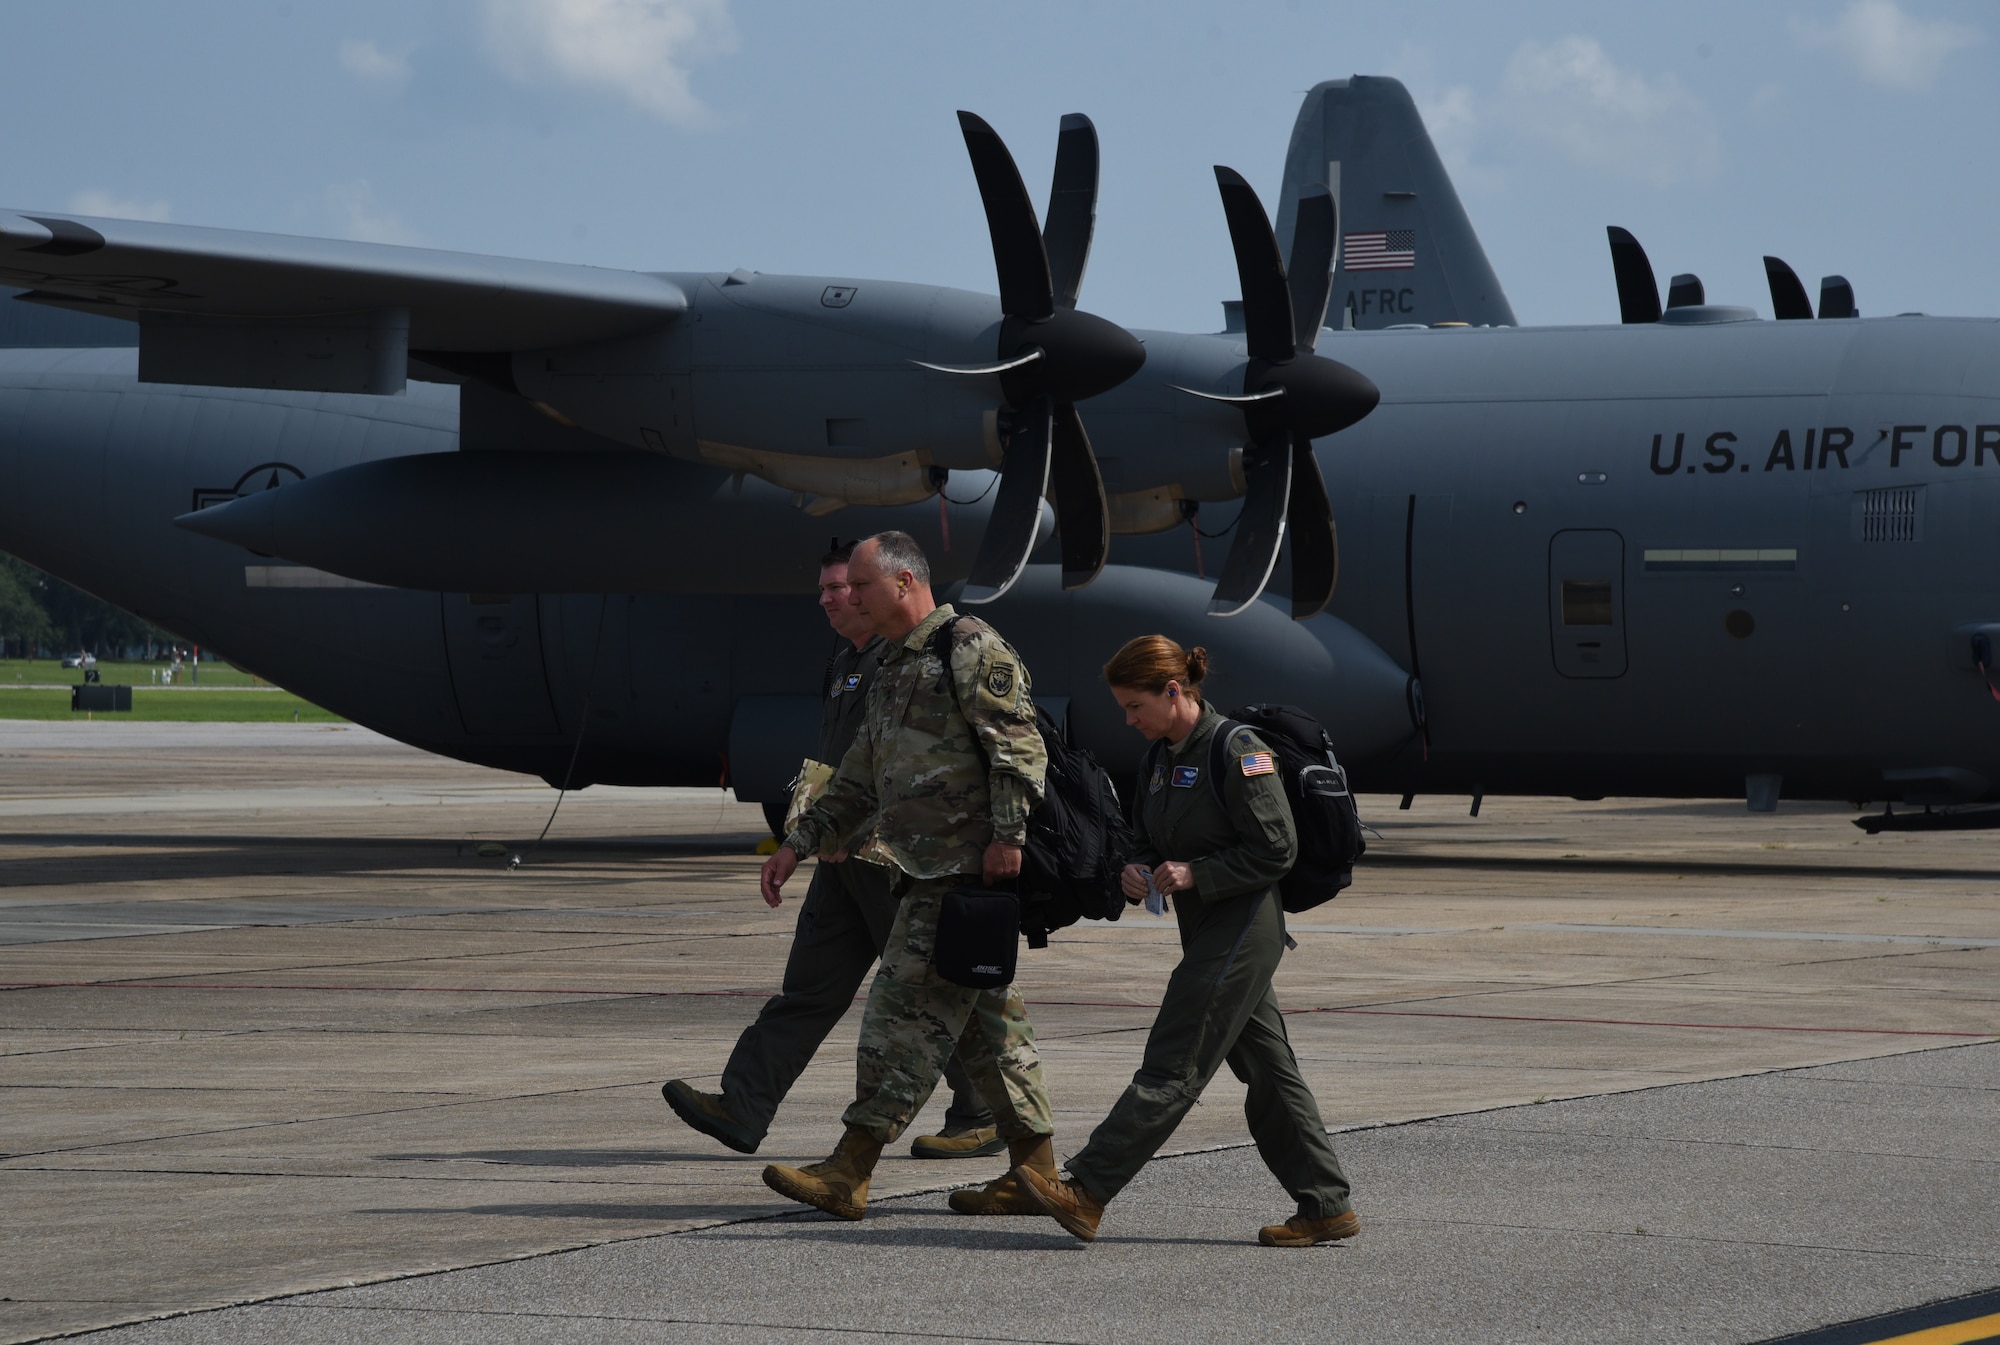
[[1219, 860]]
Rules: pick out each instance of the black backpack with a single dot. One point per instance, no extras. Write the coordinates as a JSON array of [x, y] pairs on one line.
[[1078, 838], [1323, 812], [1078, 842]]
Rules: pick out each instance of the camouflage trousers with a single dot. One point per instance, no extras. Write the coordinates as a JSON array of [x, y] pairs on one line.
[[915, 1018]]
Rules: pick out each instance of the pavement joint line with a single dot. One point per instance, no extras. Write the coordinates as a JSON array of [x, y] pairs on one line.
[[453, 1101], [1777, 934], [352, 1176], [1643, 1022], [1719, 1144], [1562, 1230], [1051, 1003], [877, 1331]]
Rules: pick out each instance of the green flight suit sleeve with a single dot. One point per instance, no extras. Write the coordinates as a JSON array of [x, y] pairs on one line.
[[1266, 842], [848, 802], [993, 695], [1144, 852]]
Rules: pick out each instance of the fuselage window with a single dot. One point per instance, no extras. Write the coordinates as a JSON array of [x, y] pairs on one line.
[[1587, 602]]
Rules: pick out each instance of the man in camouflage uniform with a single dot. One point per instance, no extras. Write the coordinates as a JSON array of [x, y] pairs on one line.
[[946, 768]]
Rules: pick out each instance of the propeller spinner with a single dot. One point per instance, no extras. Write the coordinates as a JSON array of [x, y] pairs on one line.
[[1050, 357], [1290, 397]]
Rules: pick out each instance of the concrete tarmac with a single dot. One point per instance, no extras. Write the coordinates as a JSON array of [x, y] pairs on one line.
[[272, 1025]]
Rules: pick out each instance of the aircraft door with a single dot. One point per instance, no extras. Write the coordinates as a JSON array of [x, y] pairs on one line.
[[494, 645], [1587, 602]]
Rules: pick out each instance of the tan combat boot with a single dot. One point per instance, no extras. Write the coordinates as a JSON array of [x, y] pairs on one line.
[[837, 1184], [1067, 1203], [1299, 1231], [971, 1142], [1003, 1195]]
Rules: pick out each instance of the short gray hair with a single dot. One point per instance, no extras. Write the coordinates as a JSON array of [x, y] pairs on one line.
[[896, 551]]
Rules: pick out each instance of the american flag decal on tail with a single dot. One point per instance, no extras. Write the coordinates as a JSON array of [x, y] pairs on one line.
[[1391, 250]]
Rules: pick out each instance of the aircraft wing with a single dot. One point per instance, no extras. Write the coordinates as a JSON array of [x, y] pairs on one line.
[[326, 314]]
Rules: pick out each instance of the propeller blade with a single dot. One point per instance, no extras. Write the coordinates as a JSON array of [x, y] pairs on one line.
[[1788, 296], [1072, 213], [1266, 395], [1310, 270], [1315, 547], [1016, 519], [1083, 516], [1267, 299], [1018, 258], [1260, 528], [1836, 298], [1638, 289], [1020, 361]]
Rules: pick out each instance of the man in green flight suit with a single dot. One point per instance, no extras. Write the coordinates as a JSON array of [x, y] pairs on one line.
[[946, 768]]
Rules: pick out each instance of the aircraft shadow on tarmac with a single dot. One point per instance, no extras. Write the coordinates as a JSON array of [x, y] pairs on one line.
[[173, 856], [179, 856]]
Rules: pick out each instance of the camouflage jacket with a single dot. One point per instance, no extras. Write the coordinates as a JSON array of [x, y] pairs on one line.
[[937, 770]]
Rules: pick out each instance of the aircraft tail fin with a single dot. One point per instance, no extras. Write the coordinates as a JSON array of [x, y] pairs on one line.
[[1407, 252]]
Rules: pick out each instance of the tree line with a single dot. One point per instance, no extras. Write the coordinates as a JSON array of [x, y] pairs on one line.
[[40, 616]]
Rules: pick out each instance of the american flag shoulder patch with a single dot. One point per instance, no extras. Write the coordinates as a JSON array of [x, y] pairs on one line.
[[1258, 763]]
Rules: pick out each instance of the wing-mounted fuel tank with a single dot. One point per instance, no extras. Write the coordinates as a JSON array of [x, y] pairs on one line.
[[540, 521]]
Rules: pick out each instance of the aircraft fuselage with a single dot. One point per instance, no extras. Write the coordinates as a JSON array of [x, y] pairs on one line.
[[1645, 560]]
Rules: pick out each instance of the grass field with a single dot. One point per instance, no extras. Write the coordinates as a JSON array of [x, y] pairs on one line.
[[20, 671], [202, 704]]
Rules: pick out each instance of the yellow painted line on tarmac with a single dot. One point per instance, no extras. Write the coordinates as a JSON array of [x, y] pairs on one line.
[[1951, 1333]]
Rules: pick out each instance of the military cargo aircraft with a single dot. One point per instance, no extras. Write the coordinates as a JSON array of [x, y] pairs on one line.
[[563, 520]]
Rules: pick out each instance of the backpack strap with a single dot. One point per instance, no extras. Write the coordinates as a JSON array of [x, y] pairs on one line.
[[1218, 754], [940, 647]]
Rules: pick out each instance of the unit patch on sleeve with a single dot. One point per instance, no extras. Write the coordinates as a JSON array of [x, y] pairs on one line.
[[1258, 763], [1185, 776], [1000, 681]]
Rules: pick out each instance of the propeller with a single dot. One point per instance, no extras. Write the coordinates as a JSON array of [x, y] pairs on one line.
[[1788, 295], [1050, 357], [1290, 397], [1836, 298], [1638, 289]]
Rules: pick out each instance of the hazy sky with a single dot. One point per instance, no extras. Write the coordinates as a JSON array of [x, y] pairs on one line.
[[1857, 136]]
